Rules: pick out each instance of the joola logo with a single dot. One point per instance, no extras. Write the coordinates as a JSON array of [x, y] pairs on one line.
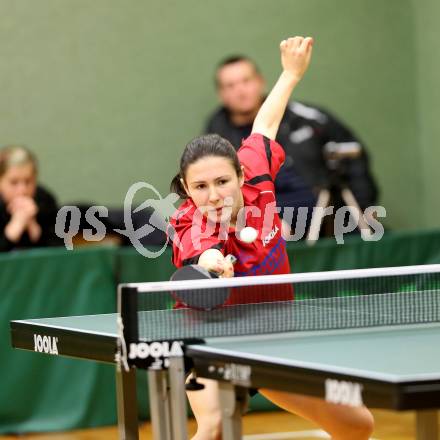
[[45, 344], [342, 392], [270, 236], [156, 350]]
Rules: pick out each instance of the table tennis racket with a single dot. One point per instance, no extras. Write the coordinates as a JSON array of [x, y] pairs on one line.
[[200, 299]]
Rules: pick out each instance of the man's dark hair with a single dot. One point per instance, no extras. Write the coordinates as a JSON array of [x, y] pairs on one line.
[[232, 59]]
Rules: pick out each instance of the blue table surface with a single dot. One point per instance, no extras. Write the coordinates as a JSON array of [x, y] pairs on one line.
[[393, 353]]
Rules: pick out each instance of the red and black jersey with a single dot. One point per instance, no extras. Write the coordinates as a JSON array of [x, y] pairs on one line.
[[261, 159]]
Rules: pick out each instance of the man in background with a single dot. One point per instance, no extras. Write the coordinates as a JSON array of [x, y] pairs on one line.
[[321, 153]]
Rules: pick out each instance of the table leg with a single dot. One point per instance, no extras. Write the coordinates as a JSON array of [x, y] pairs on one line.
[[176, 374], [127, 404], [233, 401], [159, 404], [427, 422]]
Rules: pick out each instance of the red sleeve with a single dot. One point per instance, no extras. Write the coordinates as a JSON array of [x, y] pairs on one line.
[[261, 157], [188, 249]]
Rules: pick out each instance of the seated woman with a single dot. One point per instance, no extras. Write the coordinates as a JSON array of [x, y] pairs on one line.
[[27, 211]]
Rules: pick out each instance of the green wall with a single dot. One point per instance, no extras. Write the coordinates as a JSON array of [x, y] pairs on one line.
[[108, 92], [427, 60]]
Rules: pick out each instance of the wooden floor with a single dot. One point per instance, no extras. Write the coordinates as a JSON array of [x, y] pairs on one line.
[[389, 426]]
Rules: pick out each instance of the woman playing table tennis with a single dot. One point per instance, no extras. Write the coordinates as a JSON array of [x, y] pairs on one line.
[[225, 192]]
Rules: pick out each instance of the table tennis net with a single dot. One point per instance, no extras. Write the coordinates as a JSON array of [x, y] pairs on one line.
[[321, 301]]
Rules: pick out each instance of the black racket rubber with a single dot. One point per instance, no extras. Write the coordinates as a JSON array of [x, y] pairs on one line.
[[199, 299]]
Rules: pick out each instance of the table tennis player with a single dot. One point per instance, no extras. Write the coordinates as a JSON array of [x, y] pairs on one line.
[[223, 187]]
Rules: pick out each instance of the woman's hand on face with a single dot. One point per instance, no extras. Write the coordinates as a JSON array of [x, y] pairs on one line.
[[23, 207], [23, 212], [34, 230]]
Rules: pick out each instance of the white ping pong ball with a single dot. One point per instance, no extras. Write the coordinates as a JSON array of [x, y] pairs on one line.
[[248, 234]]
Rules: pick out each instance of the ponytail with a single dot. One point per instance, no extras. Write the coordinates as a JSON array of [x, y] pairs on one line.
[[177, 187]]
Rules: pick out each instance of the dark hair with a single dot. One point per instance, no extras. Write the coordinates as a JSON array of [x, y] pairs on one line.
[[12, 155], [198, 148], [232, 59]]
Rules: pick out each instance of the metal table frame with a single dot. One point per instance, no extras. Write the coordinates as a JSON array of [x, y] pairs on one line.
[[167, 393]]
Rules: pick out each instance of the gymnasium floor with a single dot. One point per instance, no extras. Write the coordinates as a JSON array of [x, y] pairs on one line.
[[257, 426]]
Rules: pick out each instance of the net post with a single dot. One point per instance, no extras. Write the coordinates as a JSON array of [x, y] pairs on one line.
[[126, 394], [128, 306]]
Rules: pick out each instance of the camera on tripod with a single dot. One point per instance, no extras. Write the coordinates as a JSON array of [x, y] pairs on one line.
[[337, 156]]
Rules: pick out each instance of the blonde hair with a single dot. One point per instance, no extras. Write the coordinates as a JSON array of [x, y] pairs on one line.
[[16, 155]]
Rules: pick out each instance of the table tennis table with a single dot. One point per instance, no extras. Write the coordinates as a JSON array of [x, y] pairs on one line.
[[393, 367]]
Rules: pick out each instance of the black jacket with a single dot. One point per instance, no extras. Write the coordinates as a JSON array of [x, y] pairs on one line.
[[304, 132]]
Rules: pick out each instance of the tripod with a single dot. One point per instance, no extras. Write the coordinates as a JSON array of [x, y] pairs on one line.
[[334, 155]]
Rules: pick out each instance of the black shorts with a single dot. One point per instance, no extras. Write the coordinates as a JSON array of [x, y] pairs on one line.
[[253, 391]]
